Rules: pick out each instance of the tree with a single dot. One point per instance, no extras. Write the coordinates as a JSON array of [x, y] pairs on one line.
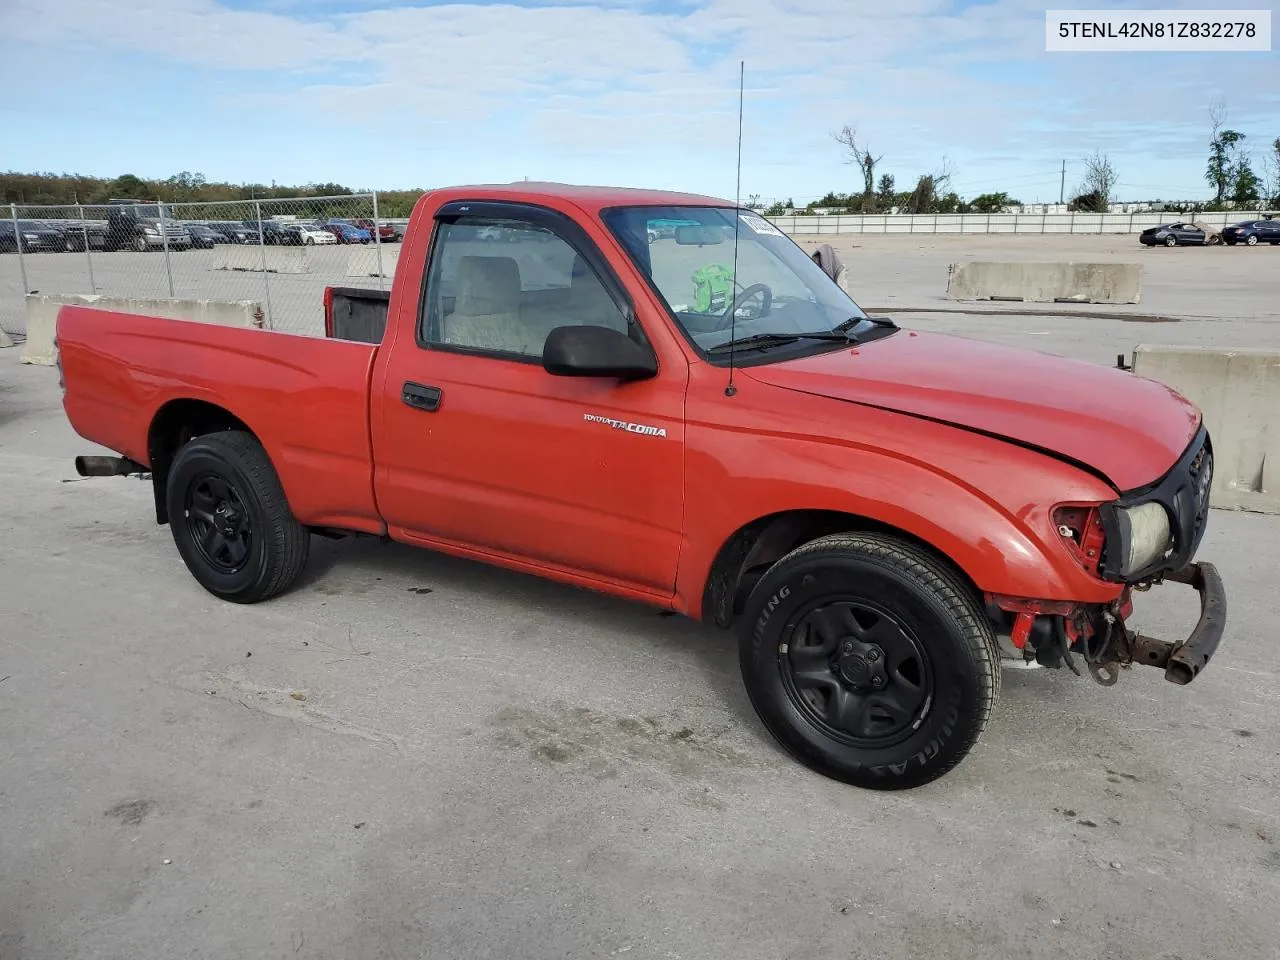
[[1088, 201], [924, 196], [884, 193], [1271, 174], [861, 156], [1224, 146], [950, 203], [924, 199], [992, 202], [1246, 185], [1099, 180], [129, 187], [185, 185]]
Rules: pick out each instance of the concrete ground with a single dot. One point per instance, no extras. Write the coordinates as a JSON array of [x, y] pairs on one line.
[[416, 756], [1220, 295], [1191, 296]]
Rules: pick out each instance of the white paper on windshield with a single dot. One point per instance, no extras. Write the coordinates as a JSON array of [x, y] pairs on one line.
[[759, 224]]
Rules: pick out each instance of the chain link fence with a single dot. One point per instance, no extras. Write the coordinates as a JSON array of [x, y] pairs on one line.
[[1021, 223], [280, 254]]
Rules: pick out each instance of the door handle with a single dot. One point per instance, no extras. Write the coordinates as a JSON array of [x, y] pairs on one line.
[[421, 397]]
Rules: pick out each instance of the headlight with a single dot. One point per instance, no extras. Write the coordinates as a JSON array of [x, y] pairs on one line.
[[1144, 537]]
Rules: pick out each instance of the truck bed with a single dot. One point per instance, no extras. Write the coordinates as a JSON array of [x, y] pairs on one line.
[[355, 313], [123, 369]]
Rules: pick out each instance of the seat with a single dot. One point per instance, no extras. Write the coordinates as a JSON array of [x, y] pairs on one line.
[[586, 304], [486, 312]]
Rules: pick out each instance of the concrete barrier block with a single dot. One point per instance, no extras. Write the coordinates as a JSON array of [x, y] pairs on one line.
[[1239, 393], [1045, 282], [42, 316], [42, 324], [5, 340], [362, 261], [255, 259]]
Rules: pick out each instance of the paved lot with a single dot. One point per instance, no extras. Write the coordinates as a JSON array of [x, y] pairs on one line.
[[415, 756], [296, 301], [1220, 295]]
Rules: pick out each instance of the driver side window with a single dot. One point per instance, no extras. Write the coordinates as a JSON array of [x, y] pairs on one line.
[[500, 286]]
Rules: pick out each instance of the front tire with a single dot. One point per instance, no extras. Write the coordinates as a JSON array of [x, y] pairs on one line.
[[230, 520], [1251, 241], [1170, 241], [869, 660]]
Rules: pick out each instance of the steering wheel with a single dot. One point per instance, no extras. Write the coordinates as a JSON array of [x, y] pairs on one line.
[[762, 289]]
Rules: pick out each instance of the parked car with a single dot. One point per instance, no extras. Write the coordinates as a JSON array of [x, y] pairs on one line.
[[346, 232], [1252, 232], [32, 236], [387, 233], [879, 513], [665, 229], [79, 234], [311, 233], [233, 231], [274, 233], [138, 225], [1178, 235], [204, 236]]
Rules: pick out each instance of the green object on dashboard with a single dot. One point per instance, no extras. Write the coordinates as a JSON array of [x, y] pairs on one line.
[[712, 285]]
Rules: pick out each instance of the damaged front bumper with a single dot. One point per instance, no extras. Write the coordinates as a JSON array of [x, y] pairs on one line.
[[1055, 633], [1182, 661]]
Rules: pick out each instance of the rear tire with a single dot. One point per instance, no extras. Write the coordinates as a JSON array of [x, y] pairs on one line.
[[869, 660], [230, 520]]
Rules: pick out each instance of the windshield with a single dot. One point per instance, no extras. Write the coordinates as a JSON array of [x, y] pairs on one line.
[[687, 253]]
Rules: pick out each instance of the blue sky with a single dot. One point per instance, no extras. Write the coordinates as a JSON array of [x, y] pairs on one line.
[[389, 94]]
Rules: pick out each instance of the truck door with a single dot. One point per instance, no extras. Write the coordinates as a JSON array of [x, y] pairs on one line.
[[480, 447]]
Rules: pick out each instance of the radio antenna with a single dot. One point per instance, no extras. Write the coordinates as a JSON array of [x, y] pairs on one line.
[[730, 389]]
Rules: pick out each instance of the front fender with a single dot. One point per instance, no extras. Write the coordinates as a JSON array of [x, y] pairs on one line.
[[984, 503]]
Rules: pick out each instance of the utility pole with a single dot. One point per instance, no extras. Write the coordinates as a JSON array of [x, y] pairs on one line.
[[1062, 189]]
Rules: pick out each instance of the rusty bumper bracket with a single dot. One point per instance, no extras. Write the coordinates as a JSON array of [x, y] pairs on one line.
[[1183, 661]]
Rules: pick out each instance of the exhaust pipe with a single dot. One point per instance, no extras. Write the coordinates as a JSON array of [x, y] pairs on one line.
[[108, 467]]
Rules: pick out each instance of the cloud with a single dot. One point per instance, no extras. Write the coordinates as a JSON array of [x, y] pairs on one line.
[[648, 90]]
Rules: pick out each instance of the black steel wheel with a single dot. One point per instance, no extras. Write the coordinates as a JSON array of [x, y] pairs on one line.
[[218, 522], [870, 660], [230, 519], [856, 673]]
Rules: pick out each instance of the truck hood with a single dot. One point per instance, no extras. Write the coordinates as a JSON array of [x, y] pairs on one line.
[[1126, 428]]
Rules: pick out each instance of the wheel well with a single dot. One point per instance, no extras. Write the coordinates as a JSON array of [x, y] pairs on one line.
[[173, 425], [754, 548]]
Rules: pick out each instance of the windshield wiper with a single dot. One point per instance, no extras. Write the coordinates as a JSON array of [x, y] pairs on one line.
[[854, 321], [761, 340]]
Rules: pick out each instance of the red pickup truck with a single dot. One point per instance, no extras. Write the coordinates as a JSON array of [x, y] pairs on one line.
[[700, 420]]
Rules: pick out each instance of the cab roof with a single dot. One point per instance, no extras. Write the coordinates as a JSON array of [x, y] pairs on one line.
[[590, 198]]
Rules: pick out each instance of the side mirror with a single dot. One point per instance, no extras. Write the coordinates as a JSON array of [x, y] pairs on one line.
[[585, 351]]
